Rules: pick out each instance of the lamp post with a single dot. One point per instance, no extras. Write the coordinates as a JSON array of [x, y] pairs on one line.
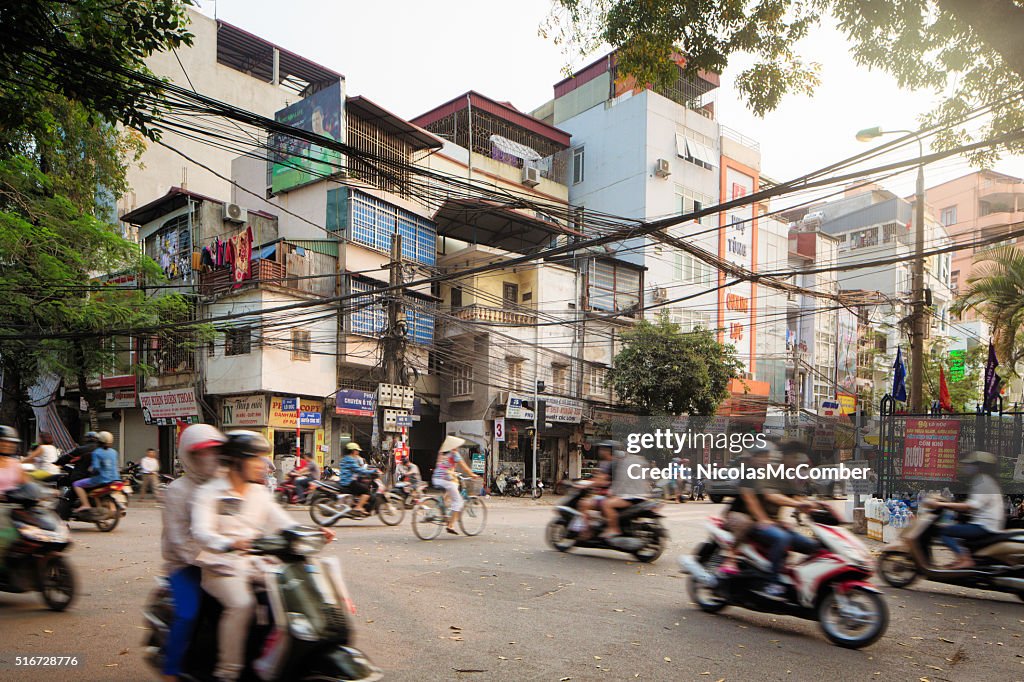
[[917, 295]]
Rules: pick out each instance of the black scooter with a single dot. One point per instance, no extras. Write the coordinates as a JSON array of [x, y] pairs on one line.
[[329, 502], [643, 535], [303, 626], [32, 544]]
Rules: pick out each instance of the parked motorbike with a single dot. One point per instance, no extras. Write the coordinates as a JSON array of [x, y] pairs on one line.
[[32, 544], [132, 471], [303, 627], [329, 503], [829, 587], [514, 486], [499, 485], [643, 534], [107, 503], [999, 558]]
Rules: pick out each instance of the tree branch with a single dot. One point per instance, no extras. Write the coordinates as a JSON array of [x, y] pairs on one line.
[[997, 23]]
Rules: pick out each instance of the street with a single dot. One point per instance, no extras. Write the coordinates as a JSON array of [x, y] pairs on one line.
[[503, 606]]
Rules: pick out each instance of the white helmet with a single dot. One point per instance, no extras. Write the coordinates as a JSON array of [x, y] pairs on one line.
[[105, 438], [197, 437]]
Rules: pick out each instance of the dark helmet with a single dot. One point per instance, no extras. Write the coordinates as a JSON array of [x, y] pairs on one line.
[[92, 437], [612, 445], [244, 444]]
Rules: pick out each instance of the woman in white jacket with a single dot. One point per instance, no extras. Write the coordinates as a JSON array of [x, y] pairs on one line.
[[231, 512]]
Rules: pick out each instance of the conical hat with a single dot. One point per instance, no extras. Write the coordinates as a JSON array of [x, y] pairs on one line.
[[452, 443]]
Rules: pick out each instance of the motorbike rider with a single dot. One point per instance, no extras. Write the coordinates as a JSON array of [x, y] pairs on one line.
[[353, 466], [623, 486], [597, 487], [984, 504], [407, 473], [104, 466], [229, 513], [305, 472], [44, 458], [445, 471], [199, 452], [11, 473], [80, 458]]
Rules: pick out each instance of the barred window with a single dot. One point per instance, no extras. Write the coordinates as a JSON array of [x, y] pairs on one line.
[[300, 345], [238, 341], [374, 222], [462, 379]]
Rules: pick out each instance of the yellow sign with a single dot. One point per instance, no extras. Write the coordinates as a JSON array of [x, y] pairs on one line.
[[847, 404], [318, 448], [286, 420]]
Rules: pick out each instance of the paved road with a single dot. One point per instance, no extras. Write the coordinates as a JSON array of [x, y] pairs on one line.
[[502, 606]]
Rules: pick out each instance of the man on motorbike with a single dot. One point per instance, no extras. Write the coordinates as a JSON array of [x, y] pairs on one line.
[[199, 453], [80, 457], [601, 481], [305, 472], [230, 513], [352, 466], [103, 466], [623, 486], [408, 474], [984, 504]]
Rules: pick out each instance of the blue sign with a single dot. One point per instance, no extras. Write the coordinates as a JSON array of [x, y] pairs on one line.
[[309, 419], [404, 420], [289, 404], [355, 403]]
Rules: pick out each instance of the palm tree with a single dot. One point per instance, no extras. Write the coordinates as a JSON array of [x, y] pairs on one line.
[[996, 293]]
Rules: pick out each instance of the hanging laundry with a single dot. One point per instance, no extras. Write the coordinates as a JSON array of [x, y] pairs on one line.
[[229, 254], [197, 260], [206, 258], [243, 256]]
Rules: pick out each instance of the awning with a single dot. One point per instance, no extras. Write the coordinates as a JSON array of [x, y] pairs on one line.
[[490, 223], [687, 148]]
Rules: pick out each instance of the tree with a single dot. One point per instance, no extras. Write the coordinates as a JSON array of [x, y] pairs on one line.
[[85, 51], [970, 49], [996, 292], [661, 370], [965, 392]]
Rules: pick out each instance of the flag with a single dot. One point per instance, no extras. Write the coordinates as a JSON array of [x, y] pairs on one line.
[[944, 400], [899, 379], [992, 380]]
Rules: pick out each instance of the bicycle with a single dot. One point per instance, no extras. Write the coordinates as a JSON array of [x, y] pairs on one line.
[[430, 515]]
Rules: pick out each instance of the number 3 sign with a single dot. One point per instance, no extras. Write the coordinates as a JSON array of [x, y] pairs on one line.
[[499, 430]]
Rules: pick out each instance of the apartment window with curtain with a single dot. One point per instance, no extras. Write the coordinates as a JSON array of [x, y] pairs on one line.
[[614, 287], [300, 345], [238, 341], [462, 379]]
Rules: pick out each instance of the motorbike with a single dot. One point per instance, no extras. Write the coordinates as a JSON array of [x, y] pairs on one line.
[[108, 503], [329, 503], [303, 627], [132, 471], [32, 544], [829, 587], [643, 534], [514, 486], [999, 558], [286, 491], [410, 493], [499, 485]]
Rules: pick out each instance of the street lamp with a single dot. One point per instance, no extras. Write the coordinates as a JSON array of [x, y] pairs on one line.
[[917, 295]]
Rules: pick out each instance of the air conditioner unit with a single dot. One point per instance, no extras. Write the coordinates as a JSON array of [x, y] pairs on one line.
[[662, 168], [531, 176], [660, 295], [235, 214]]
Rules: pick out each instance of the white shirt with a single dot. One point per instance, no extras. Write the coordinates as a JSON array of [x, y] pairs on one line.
[[986, 501], [47, 458], [150, 465]]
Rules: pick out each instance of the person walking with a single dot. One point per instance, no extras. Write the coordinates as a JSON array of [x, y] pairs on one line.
[[150, 467]]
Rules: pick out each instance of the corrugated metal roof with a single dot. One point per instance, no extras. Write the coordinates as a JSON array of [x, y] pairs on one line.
[[893, 210], [328, 247]]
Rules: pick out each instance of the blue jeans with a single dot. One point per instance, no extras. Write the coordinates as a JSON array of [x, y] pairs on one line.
[[185, 593], [776, 540], [968, 531]]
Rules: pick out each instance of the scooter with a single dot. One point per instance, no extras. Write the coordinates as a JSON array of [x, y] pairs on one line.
[[829, 587], [999, 558], [643, 535], [108, 503], [32, 544], [329, 503], [303, 626]]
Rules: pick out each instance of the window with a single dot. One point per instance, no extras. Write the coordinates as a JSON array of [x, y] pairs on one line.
[[691, 270], [690, 201], [594, 380], [948, 216], [171, 247], [211, 349], [688, 320], [370, 318], [578, 158], [697, 148], [510, 293], [238, 341], [890, 232], [864, 238], [300, 345], [462, 379], [456, 298], [613, 287], [559, 377], [374, 221], [515, 375]]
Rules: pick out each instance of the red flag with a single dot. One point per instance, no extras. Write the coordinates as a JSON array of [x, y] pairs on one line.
[[944, 400]]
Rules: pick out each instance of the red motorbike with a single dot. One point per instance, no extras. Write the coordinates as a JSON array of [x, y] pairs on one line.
[[286, 492]]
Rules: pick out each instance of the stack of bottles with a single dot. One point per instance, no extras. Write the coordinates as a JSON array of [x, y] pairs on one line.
[[887, 517]]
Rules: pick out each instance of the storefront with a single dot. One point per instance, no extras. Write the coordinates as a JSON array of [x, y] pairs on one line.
[[558, 451], [354, 412], [171, 411], [288, 424]]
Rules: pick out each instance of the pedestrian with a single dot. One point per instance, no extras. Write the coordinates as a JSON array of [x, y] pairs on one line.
[[150, 466]]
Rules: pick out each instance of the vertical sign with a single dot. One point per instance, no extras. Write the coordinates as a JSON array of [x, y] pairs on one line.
[[499, 430]]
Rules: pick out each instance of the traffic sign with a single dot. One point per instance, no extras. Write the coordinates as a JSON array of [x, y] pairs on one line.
[[289, 404]]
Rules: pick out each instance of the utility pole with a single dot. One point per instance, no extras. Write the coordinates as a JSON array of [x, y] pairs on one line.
[[918, 300], [394, 338]]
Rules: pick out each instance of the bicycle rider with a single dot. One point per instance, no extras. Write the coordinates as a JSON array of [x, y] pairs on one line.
[[449, 461]]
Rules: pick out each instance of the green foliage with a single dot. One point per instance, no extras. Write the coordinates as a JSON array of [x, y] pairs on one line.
[[996, 292], [963, 394], [80, 49], [967, 50], [661, 370]]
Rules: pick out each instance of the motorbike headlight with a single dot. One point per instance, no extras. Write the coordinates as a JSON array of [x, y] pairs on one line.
[[301, 627], [304, 545]]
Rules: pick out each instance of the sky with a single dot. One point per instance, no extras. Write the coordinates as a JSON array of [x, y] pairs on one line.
[[409, 56]]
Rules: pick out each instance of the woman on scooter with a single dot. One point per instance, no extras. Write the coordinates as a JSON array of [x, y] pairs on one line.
[[984, 504], [11, 473]]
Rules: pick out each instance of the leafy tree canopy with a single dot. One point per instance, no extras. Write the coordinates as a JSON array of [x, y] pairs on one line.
[[996, 292], [969, 50], [661, 370]]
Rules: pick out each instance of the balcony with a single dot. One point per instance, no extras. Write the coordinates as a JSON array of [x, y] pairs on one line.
[[480, 313], [309, 274]]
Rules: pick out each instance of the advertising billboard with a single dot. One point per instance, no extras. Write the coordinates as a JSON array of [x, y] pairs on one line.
[[298, 162], [930, 449]]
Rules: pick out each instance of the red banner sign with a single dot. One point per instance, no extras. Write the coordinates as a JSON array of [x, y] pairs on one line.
[[930, 449]]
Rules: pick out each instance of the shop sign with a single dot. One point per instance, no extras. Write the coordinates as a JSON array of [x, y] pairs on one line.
[[249, 410], [166, 408], [516, 408], [120, 397], [563, 410], [499, 430], [930, 449], [355, 403], [479, 465], [285, 419]]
